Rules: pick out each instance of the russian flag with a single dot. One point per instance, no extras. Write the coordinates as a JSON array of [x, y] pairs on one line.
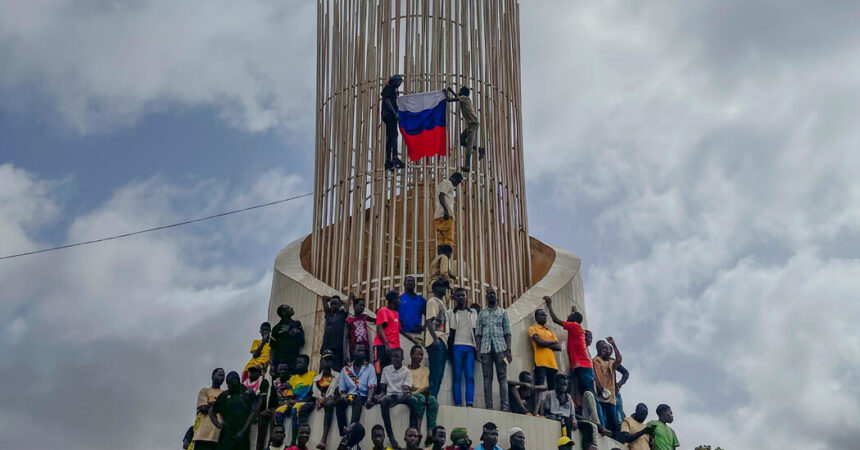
[[422, 123]]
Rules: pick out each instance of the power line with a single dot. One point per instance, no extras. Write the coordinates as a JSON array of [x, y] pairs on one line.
[[163, 227]]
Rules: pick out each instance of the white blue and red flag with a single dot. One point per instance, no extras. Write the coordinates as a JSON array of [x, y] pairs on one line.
[[422, 123]]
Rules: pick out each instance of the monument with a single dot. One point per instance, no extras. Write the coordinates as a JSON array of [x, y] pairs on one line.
[[373, 226]]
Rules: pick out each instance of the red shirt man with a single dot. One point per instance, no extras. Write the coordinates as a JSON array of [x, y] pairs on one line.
[[387, 328]]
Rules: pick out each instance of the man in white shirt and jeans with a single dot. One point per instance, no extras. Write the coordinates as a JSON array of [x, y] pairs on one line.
[[463, 344], [397, 380]]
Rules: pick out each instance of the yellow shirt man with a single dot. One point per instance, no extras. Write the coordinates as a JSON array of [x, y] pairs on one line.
[[544, 357]]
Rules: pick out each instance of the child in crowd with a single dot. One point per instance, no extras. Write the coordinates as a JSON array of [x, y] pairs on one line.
[[301, 395], [304, 435], [422, 401], [254, 379], [357, 331], [324, 391], [260, 350], [357, 385], [396, 382], [377, 437]]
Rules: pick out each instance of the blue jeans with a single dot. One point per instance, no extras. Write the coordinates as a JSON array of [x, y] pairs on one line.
[[437, 354], [585, 382], [584, 379], [611, 423], [619, 408], [464, 366]]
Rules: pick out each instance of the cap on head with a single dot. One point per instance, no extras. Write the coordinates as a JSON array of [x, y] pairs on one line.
[[564, 440], [464, 91]]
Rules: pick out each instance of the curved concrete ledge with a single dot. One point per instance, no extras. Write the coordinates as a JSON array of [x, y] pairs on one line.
[[294, 285]]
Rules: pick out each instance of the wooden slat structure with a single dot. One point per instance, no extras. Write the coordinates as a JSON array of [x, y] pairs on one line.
[[372, 227]]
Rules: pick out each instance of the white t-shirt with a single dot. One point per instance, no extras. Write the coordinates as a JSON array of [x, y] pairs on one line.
[[464, 322], [435, 310], [395, 379], [447, 188]]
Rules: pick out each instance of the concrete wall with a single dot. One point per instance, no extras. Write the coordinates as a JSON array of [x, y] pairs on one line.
[[293, 285]]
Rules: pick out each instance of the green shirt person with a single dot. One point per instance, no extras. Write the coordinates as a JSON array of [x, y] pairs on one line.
[[663, 437]]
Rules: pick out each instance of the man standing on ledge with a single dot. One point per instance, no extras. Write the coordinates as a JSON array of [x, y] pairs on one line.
[[444, 216], [663, 437], [493, 335], [411, 308]]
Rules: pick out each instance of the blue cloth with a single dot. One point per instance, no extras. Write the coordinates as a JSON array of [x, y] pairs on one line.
[[365, 375], [410, 312], [481, 447], [619, 408], [611, 423], [464, 366]]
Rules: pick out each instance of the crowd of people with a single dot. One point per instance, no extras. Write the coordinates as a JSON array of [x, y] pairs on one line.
[[276, 392], [360, 369]]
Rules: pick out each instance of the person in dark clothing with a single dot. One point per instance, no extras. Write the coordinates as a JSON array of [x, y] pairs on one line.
[[352, 438], [237, 406], [470, 132], [389, 118], [335, 331], [288, 338], [524, 394]]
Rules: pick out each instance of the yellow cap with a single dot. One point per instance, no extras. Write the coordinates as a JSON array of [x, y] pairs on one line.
[[564, 440]]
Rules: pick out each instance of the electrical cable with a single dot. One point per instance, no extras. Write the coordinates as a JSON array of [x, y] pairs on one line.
[[163, 227]]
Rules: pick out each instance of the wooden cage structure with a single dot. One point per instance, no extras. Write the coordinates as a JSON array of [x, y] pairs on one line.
[[372, 227]]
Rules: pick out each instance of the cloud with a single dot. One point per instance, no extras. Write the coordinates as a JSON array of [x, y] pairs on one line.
[[700, 157], [707, 161], [110, 342], [97, 66]]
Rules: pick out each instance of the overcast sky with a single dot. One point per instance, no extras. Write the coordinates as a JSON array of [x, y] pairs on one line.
[[701, 158]]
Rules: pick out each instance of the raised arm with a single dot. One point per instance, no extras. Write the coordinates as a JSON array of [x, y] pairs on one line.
[[615, 348], [452, 97], [552, 315]]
